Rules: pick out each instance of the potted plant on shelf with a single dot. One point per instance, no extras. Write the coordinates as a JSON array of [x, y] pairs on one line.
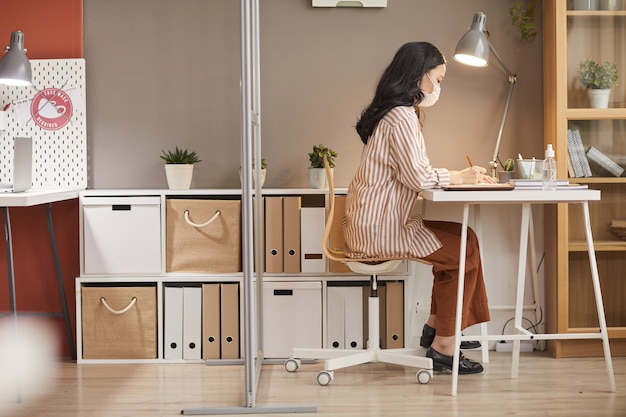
[[179, 167], [263, 172], [598, 79], [507, 174], [317, 174]]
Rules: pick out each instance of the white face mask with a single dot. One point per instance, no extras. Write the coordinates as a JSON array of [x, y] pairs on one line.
[[431, 98]]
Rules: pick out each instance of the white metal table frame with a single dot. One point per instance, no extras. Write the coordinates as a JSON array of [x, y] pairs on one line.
[[525, 198]]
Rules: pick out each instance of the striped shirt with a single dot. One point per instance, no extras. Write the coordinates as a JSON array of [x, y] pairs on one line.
[[394, 168]]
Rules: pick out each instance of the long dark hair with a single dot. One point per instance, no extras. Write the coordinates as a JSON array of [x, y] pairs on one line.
[[398, 84]]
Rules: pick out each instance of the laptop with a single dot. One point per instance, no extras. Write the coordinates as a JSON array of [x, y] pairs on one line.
[[22, 167]]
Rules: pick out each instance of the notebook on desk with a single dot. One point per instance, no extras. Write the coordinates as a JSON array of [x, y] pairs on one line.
[[478, 187], [22, 167]]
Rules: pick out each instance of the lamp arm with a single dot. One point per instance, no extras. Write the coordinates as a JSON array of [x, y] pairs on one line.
[[512, 80], [506, 69]]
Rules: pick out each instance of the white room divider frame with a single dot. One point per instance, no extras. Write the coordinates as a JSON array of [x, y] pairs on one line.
[[251, 241]]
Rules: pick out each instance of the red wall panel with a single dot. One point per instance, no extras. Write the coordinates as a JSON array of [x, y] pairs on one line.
[[52, 29]]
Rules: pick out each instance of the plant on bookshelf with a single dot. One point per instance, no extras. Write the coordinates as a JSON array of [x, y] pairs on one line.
[[317, 173], [179, 167], [598, 79]]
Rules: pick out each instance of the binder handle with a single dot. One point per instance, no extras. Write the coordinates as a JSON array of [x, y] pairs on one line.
[[190, 223], [122, 311]]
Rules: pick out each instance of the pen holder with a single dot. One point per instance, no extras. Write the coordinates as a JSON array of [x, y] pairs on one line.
[[530, 169]]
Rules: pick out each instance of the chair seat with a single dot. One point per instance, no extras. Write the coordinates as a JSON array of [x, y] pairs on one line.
[[364, 268]]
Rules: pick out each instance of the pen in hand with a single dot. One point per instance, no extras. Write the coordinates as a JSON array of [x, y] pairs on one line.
[[469, 160]]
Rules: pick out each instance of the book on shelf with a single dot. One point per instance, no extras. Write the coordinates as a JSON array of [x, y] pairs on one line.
[[570, 168], [604, 162], [576, 153]]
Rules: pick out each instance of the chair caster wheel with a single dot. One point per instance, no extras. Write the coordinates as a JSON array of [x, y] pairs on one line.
[[424, 376], [292, 365], [325, 377]]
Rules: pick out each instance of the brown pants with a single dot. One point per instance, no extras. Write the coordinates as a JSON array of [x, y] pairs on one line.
[[445, 263]]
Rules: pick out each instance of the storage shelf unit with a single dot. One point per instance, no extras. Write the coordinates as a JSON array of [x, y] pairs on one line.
[[571, 36], [103, 241]]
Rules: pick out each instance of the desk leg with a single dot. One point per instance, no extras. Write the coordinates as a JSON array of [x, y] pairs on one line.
[[9, 255], [11, 275], [599, 303], [483, 326], [459, 300], [521, 278], [57, 265], [533, 266]]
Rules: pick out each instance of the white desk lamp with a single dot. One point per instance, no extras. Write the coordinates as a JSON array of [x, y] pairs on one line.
[[473, 49], [15, 66]]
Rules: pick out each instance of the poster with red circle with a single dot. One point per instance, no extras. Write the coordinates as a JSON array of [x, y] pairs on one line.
[[51, 108]]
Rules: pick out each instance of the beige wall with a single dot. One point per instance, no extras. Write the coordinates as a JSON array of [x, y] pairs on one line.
[[162, 73]]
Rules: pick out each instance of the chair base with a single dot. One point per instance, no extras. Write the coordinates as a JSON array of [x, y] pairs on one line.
[[344, 358]]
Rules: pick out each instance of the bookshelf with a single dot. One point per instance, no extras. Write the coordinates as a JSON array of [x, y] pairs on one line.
[[569, 37], [125, 247]]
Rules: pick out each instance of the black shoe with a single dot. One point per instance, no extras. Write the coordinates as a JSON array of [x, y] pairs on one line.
[[428, 335], [442, 362]]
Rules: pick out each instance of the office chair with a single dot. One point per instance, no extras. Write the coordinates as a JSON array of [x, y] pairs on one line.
[[343, 358]]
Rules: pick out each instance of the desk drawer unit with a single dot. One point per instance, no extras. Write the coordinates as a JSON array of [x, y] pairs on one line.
[[122, 235]]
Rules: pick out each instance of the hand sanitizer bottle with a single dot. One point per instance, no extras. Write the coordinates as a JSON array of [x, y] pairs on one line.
[[549, 170]]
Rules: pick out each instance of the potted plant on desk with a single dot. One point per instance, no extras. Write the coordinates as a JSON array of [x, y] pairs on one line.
[[507, 174], [179, 167], [598, 79], [317, 173]]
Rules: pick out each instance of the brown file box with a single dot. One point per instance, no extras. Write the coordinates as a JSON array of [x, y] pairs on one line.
[[211, 321], [130, 334], [273, 234], [229, 318], [336, 239], [214, 247], [291, 234], [394, 307]]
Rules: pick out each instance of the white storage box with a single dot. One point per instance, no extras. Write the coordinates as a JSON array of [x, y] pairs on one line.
[[292, 317], [122, 235]]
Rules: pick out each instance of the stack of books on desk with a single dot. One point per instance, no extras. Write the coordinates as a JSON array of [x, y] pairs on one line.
[[525, 184]]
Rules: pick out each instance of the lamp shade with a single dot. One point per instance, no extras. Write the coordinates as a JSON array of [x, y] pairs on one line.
[[15, 66], [473, 48]]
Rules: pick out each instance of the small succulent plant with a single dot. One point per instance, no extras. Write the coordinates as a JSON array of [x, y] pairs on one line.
[[509, 165], [179, 156]]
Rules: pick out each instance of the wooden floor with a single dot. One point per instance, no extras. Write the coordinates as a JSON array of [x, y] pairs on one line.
[[545, 387]]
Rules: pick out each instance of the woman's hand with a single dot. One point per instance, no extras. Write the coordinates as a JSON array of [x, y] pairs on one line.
[[471, 175]]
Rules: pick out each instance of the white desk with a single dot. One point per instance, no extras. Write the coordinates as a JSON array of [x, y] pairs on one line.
[[27, 199], [525, 198]]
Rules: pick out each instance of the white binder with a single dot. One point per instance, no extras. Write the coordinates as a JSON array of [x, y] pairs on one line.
[[335, 307], [173, 323], [312, 222], [192, 323], [353, 313]]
